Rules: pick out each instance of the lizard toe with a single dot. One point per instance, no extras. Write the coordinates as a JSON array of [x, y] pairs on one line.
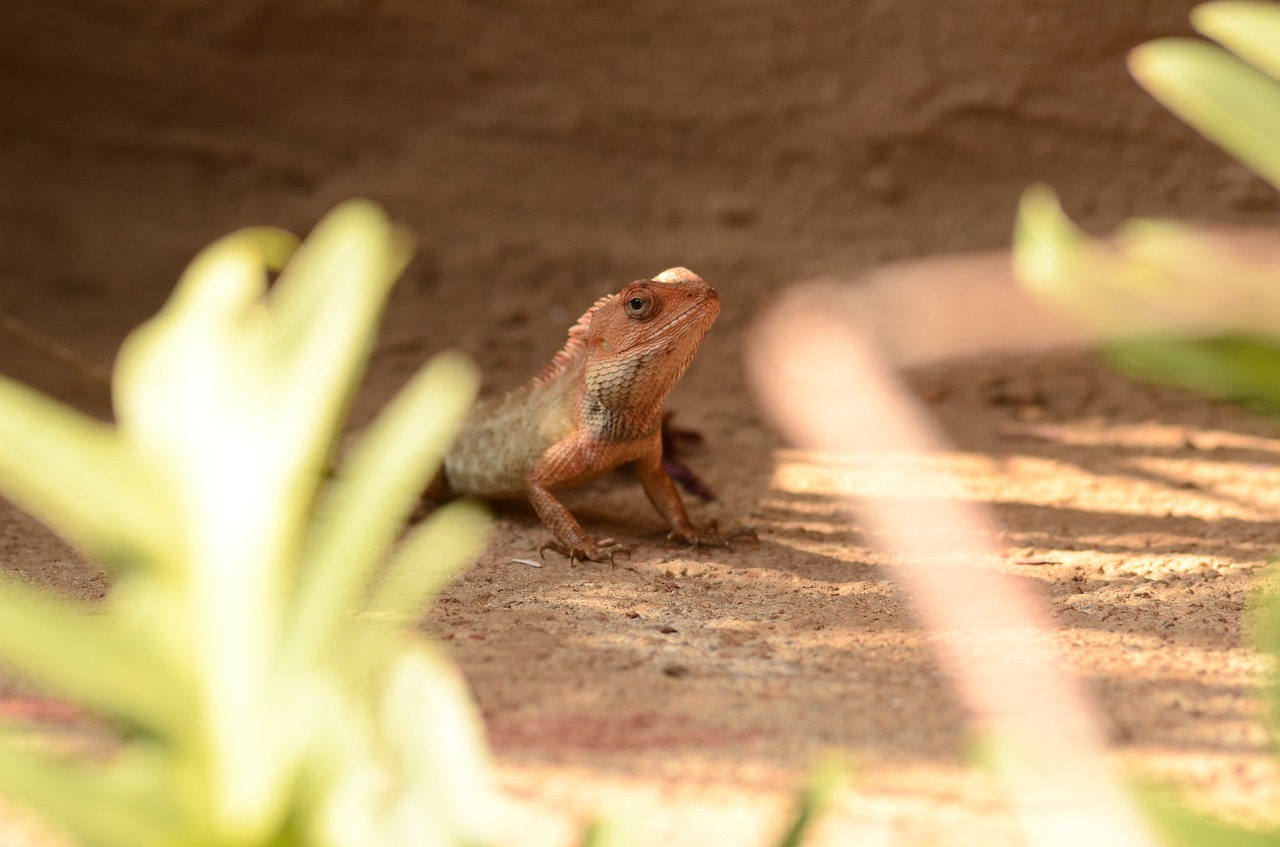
[[606, 549], [555, 547], [747, 532]]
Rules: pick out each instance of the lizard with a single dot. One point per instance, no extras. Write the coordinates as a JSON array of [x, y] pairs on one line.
[[596, 406]]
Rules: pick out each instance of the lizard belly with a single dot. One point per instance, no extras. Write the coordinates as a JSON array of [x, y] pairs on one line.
[[485, 465], [499, 444], [482, 464]]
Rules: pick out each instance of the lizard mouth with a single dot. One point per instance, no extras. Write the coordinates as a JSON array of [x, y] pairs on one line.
[[678, 322]]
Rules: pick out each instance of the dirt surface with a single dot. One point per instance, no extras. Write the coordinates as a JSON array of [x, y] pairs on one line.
[[546, 152]]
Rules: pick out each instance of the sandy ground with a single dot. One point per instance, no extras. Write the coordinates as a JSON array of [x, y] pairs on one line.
[[697, 681], [543, 159], [694, 688]]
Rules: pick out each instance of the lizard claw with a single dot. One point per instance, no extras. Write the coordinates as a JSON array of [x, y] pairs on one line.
[[592, 551], [710, 536], [743, 532]]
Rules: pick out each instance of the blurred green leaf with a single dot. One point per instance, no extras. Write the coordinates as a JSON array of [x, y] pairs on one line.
[[1223, 97], [1163, 302], [55, 642], [612, 831], [1152, 278], [73, 473], [1250, 29], [104, 805], [1245, 369], [1178, 826], [228, 403], [1263, 631], [447, 787], [375, 489], [429, 558], [827, 781]]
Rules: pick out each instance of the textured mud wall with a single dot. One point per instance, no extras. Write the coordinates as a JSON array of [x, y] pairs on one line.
[[547, 150]]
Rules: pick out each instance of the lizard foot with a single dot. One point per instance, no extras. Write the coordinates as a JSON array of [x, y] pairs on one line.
[[710, 536], [593, 551]]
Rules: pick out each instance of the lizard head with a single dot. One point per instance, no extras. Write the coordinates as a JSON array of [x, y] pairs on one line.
[[641, 340], [661, 318]]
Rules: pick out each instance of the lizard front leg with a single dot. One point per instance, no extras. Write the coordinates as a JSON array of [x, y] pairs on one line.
[[570, 540], [665, 498], [662, 493], [559, 464]]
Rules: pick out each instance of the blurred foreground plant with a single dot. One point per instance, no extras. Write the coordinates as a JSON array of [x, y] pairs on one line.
[[252, 657], [252, 654], [1168, 303]]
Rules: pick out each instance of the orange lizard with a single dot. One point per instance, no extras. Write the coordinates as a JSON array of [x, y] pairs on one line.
[[596, 406]]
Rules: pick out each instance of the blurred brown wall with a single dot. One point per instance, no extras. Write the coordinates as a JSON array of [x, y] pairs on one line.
[[548, 150]]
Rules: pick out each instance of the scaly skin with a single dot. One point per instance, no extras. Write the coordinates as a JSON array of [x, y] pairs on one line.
[[596, 406]]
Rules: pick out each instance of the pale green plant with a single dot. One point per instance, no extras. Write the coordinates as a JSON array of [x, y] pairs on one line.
[[252, 661], [828, 779], [252, 655], [1168, 302]]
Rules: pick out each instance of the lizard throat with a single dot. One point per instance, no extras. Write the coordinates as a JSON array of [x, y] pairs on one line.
[[624, 397]]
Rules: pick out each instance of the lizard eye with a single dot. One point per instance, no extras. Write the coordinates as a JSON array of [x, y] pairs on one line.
[[638, 307]]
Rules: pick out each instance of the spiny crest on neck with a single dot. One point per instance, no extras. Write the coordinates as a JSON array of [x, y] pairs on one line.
[[574, 346]]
